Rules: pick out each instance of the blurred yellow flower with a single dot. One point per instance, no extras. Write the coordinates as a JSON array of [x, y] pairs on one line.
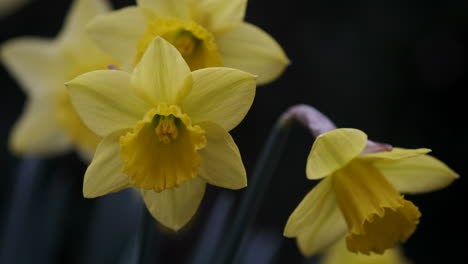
[[339, 254], [8, 6], [207, 33], [165, 130], [359, 194], [49, 124]]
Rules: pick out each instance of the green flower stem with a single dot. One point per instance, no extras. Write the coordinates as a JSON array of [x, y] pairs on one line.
[[253, 196], [260, 179]]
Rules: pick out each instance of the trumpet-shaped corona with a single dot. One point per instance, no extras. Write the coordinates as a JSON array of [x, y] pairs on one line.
[[359, 196], [161, 151], [376, 214], [195, 43]]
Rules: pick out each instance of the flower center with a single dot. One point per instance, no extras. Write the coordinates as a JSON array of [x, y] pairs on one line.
[[166, 129], [193, 41], [376, 214], [161, 152], [186, 43]]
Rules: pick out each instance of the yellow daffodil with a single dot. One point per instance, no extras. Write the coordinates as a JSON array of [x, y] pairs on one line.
[[8, 6], [165, 130], [208, 33], [359, 194], [339, 254], [49, 123]]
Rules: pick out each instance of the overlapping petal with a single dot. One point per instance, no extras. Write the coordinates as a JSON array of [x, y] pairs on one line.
[[222, 163], [251, 49], [104, 175], [81, 12], [219, 15], [394, 154], [220, 95], [105, 101], [333, 150], [417, 174], [174, 207], [317, 221], [118, 33], [167, 8], [162, 76]]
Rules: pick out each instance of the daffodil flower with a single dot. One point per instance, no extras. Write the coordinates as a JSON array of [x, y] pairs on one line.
[[359, 194], [49, 124], [165, 130], [208, 33], [339, 254]]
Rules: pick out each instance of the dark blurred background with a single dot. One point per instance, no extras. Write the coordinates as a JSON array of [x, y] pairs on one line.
[[395, 69]]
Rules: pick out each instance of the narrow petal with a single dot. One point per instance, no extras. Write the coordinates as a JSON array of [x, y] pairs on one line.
[[331, 151], [105, 101], [162, 76], [317, 221], [37, 131], [221, 160], [104, 175], [395, 154], [251, 49], [174, 207], [118, 33], [219, 15], [417, 174], [221, 95], [167, 8], [24, 59]]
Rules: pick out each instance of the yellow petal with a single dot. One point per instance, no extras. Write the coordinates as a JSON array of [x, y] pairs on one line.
[[221, 160], [105, 173], [174, 207], [37, 132], [105, 101], [395, 154], [118, 33], [339, 254], [333, 150], [25, 57], [417, 174], [161, 151], [220, 95], [218, 15], [84, 139], [167, 8], [80, 13], [251, 49], [162, 76], [376, 214], [317, 221]]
